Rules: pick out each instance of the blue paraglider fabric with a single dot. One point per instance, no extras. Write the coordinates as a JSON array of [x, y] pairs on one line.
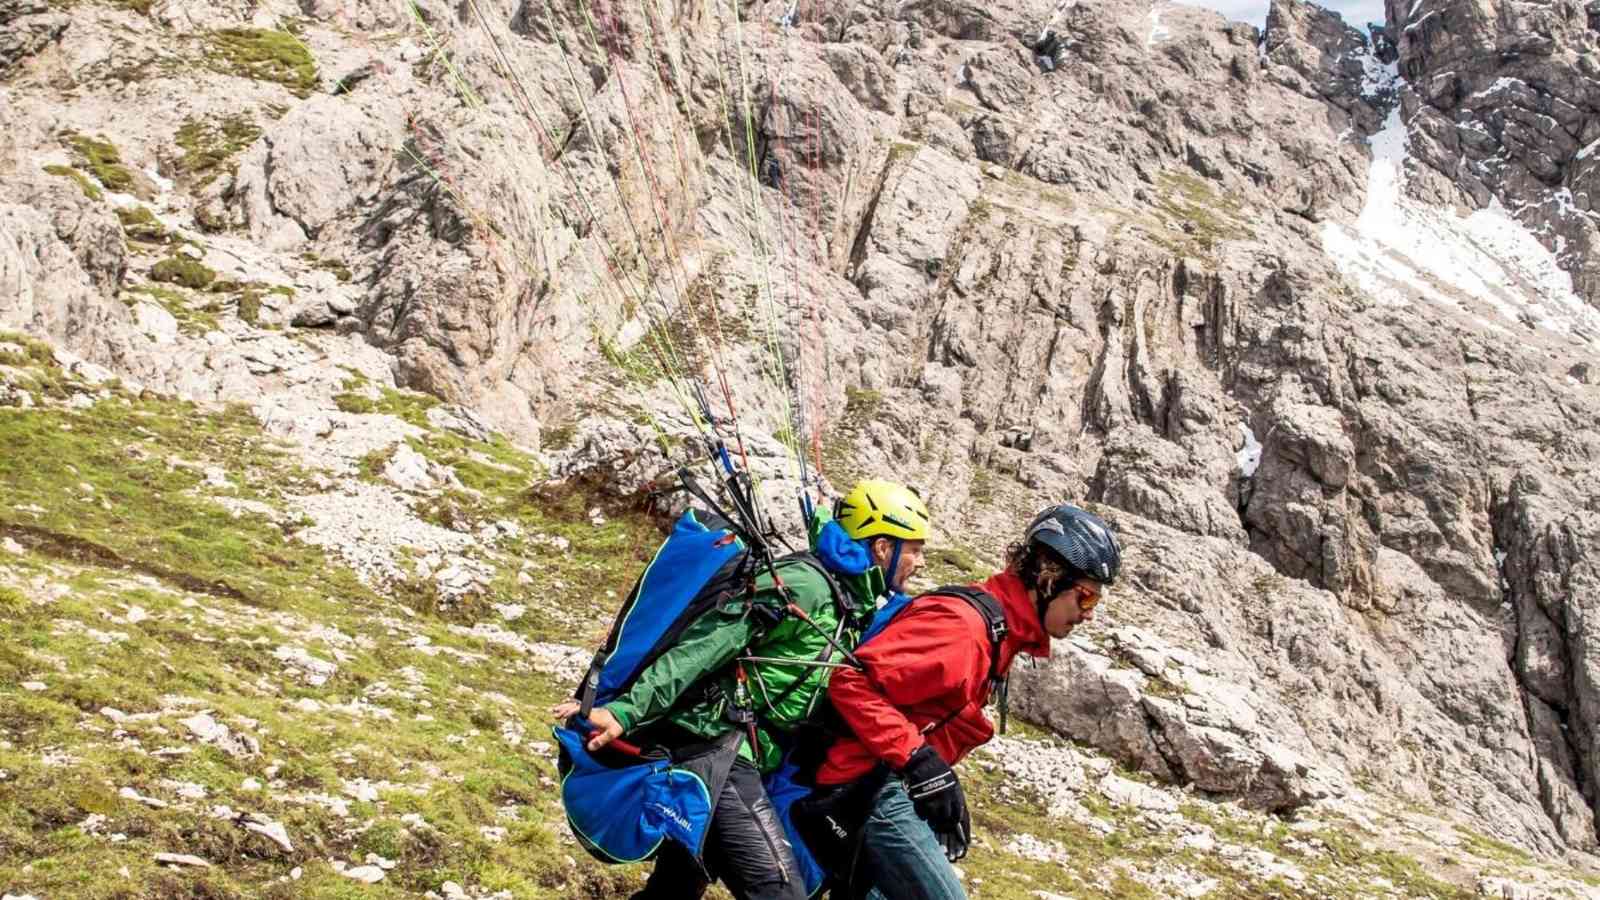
[[625, 813], [688, 559], [784, 792]]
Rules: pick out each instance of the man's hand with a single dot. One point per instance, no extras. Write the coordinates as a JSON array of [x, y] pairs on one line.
[[607, 728], [936, 793]]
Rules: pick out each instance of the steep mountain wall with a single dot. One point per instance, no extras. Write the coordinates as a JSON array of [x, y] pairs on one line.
[[1202, 276]]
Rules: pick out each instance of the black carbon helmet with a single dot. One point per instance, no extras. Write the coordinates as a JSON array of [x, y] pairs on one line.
[[1079, 537]]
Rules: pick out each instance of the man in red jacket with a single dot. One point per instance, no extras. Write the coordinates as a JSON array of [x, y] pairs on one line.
[[917, 708]]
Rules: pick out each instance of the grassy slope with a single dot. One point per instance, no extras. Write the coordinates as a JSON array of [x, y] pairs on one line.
[[125, 522]]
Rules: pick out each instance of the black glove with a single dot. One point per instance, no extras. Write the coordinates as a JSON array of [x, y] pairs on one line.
[[936, 793]]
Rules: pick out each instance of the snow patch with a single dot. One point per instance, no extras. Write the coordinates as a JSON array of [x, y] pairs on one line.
[[1588, 149], [1401, 249], [1418, 23], [1158, 31], [1500, 84], [1249, 455], [1376, 77]]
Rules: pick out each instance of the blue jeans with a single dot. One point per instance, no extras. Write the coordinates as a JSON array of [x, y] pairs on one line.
[[900, 857]]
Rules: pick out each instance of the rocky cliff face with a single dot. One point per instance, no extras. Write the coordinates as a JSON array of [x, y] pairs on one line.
[[1307, 312]]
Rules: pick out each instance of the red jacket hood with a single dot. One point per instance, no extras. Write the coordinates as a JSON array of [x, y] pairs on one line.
[[1024, 632]]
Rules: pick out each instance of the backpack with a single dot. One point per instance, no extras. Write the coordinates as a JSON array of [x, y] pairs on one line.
[[624, 800], [988, 608], [702, 564]]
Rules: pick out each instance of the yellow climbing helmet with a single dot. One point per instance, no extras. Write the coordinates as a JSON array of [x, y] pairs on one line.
[[882, 509]]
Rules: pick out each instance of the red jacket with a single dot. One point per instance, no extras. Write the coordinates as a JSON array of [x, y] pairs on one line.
[[930, 665]]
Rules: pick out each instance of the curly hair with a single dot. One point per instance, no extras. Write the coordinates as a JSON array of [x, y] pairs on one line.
[[1042, 570]]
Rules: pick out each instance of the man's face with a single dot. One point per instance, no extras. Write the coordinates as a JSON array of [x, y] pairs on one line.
[[911, 560], [1075, 604]]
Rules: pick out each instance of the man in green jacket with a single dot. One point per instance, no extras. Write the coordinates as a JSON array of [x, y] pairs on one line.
[[727, 674]]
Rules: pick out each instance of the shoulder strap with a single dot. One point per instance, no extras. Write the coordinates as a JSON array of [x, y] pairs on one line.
[[841, 599], [992, 613]]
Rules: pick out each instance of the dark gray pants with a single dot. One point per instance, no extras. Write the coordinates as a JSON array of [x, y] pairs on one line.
[[746, 848]]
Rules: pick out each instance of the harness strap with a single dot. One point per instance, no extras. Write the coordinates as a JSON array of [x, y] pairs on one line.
[[994, 621], [992, 613]]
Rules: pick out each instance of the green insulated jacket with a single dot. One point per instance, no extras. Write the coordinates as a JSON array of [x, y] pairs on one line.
[[706, 652]]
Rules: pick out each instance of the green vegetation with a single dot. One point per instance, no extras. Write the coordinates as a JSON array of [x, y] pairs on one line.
[[983, 486], [126, 525], [32, 353], [139, 600], [900, 150], [673, 345], [264, 55], [209, 146], [338, 268], [149, 520], [251, 294], [1056, 195], [635, 363], [101, 159], [685, 342], [1489, 848], [372, 464], [1209, 218], [952, 565], [183, 271], [192, 319], [89, 188], [1164, 687], [1346, 851], [558, 437], [36, 362], [141, 225], [142, 7], [410, 406], [861, 407]]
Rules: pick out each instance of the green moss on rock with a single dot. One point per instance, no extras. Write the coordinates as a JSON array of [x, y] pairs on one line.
[[208, 146], [861, 406], [32, 353], [139, 224], [264, 55], [101, 159], [181, 270], [89, 188], [251, 294], [338, 269], [192, 318]]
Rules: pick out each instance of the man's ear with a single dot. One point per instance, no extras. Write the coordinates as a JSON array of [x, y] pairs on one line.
[[878, 556]]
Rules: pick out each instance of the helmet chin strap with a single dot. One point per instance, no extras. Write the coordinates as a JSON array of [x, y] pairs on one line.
[[894, 564]]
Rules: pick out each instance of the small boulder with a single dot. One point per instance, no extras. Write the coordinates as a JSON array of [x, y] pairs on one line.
[[364, 874], [181, 859]]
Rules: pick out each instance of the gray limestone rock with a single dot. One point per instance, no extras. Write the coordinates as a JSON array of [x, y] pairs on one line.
[[1357, 517], [27, 27]]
